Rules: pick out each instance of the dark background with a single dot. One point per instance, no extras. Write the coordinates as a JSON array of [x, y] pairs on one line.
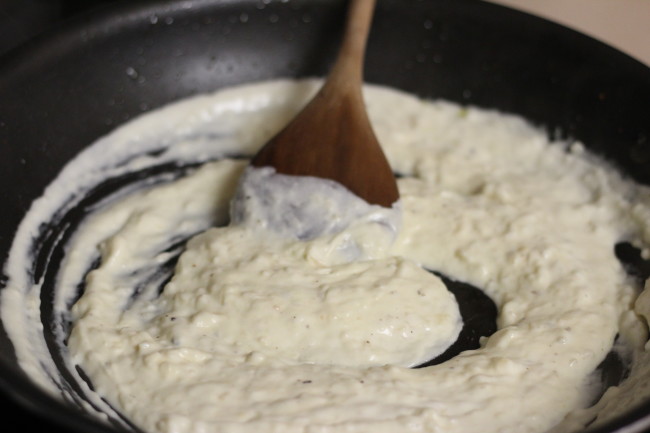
[[20, 20]]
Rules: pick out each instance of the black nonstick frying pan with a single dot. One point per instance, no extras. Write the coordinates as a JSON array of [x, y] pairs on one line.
[[64, 89]]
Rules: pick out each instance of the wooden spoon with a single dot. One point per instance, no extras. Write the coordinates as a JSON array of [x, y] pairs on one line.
[[332, 137]]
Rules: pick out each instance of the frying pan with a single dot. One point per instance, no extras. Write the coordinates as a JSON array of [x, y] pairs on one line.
[[66, 88]]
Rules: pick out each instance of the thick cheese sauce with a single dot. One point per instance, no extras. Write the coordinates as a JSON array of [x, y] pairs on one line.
[[314, 329]]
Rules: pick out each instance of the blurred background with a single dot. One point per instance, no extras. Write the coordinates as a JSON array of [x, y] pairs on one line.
[[21, 20], [624, 24]]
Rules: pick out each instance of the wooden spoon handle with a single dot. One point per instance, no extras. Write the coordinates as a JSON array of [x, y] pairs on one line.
[[347, 71]]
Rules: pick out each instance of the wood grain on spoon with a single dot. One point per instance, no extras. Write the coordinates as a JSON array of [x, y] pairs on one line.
[[332, 137]]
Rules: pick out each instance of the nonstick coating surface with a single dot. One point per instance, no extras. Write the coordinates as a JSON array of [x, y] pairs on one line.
[[67, 88]]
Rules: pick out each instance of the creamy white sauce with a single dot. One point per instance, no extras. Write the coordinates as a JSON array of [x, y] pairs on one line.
[[257, 332], [303, 207]]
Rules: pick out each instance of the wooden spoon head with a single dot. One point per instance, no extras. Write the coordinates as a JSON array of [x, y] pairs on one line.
[[332, 138]]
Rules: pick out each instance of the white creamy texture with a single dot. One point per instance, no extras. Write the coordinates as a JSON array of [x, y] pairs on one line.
[[485, 199], [304, 207]]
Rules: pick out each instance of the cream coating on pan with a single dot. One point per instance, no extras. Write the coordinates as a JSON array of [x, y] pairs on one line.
[[256, 332]]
